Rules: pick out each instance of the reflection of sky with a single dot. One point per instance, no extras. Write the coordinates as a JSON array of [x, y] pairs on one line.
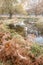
[[39, 39]]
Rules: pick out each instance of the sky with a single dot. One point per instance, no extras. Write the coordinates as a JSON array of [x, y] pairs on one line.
[[31, 3]]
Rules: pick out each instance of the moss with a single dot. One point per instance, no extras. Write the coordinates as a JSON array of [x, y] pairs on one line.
[[37, 50], [1, 63]]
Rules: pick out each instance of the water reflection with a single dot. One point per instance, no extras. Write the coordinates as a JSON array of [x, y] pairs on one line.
[[39, 39]]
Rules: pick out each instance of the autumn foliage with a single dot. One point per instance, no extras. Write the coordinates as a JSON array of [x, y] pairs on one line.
[[15, 51]]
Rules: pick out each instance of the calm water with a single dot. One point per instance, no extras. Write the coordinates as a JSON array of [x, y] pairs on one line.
[[39, 40]]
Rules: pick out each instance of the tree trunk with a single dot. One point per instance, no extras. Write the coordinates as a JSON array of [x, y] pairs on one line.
[[10, 14]]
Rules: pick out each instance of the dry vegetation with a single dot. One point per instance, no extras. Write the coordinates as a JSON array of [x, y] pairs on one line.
[[15, 50]]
